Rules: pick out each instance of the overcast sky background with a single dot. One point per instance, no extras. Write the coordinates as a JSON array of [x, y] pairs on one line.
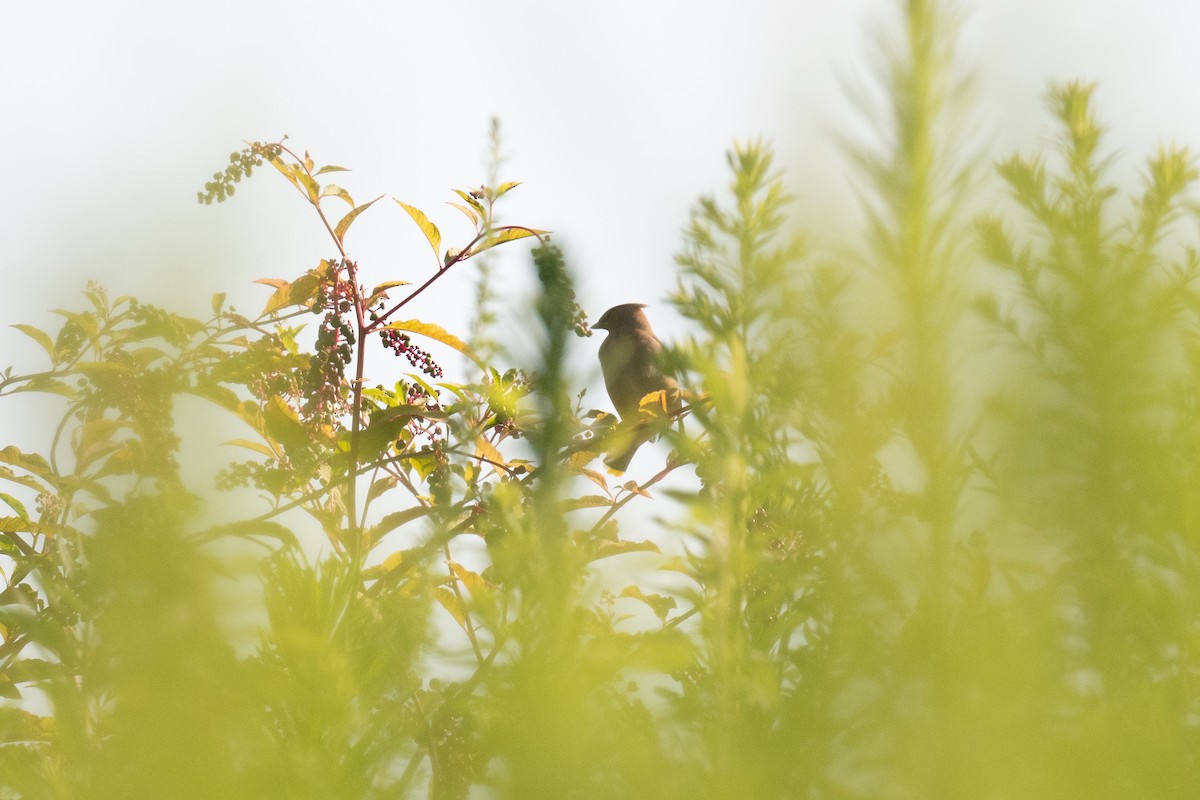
[[616, 116]]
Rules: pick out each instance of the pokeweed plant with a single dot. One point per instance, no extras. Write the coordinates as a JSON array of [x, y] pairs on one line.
[[334, 699]]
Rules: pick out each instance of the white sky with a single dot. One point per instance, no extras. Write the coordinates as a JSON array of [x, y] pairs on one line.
[[616, 116]]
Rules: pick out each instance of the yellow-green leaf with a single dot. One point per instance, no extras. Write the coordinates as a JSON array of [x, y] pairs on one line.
[[257, 447], [95, 368], [471, 215], [587, 501], [286, 171], [620, 547], [389, 564], [506, 235], [42, 338], [383, 287], [486, 449], [477, 584], [435, 332], [451, 603], [310, 187], [471, 201], [296, 293], [394, 520], [331, 168], [428, 228], [283, 424], [333, 190], [343, 225], [661, 605], [506, 186], [379, 290]]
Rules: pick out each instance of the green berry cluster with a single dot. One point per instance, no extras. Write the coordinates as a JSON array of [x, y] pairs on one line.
[[241, 165]]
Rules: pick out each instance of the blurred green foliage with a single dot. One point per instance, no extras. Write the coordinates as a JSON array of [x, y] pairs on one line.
[[936, 531]]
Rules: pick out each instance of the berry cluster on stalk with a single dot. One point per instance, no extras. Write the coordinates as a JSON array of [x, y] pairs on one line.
[[401, 344], [326, 399]]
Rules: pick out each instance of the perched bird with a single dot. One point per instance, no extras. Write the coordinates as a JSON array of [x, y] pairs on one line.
[[629, 360]]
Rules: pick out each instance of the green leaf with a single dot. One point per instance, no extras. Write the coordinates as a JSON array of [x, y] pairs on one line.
[[49, 385], [218, 302], [385, 426], [428, 228], [587, 501], [606, 549], [257, 447], [248, 528], [15, 504], [42, 338], [394, 520], [16, 525], [283, 424], [339, 232], [22, 480], [331, 168], [86, 322], [93, 369], [222, 396], [661, 605], [30, 462]]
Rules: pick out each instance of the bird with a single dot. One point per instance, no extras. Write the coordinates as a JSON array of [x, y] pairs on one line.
[[629, 359]]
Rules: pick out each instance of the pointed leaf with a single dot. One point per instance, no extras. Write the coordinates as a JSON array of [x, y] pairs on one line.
[[486, 449], [257, 447], [331, 168], [379, 290], [15, 504], [31, 462], [661, 605], [472, 202], [42, 338], [333, 190], [506, 235], [506, 186], [286, 171], [428, 228], [596, 478], [394, 520], [435, 332], [283, 424], [450, 601], [587, 501], [473, 581], [471, 215], [343, 225], [390, 564], [296, 293], [608, 548]]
